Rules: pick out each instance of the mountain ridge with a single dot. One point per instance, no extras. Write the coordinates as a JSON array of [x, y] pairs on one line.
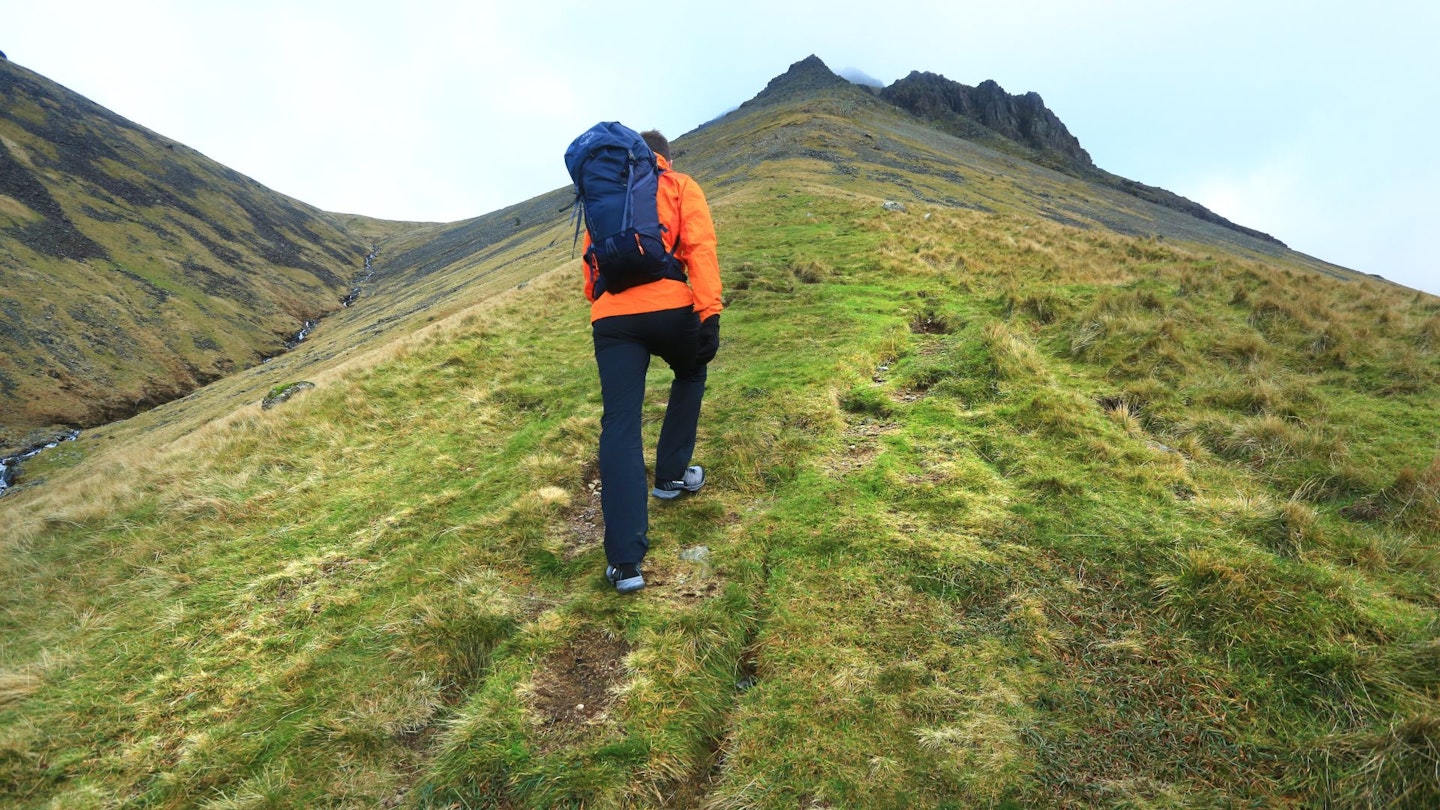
[[1020, 124], [219, 252], [1023, 119], [806, 76], [1021, 492], [135, 269]]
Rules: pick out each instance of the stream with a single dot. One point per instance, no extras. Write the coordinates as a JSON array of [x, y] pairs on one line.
[[309, 325], [369, 272], [10, 465]]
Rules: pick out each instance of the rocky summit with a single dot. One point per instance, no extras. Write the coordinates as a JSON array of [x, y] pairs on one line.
[[1023, 119]]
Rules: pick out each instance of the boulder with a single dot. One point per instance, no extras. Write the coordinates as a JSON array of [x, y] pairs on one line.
[[281, 393]]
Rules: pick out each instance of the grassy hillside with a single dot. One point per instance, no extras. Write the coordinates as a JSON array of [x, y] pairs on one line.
[[423, 274], [1031, 494], [134, 269]]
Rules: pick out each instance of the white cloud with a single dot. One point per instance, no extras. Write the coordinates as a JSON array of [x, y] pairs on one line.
[[1266, 197], [1343, 216]]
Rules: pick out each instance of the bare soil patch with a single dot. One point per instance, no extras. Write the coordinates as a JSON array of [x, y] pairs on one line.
[[930, 323], [682, 581], [905, 396], [862, 446], [584, 524], [574, 688]]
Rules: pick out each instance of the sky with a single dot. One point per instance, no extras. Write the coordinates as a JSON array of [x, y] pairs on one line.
[[1315, 122]]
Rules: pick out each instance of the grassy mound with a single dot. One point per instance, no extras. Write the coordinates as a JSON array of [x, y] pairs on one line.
[[1000, 512]]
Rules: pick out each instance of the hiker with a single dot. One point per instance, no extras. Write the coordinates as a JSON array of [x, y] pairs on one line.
[[676, 317]]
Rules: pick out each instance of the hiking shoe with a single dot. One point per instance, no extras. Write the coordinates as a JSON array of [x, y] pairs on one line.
[[625, 578], [692, 482]]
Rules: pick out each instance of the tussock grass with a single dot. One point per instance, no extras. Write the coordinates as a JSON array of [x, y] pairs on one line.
[[1412, 500], [15, 685], [1000, 513]]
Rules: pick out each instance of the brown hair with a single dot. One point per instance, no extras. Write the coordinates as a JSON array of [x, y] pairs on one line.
[[656, 142]]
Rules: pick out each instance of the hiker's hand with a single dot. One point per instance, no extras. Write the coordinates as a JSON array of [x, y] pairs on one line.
[[709, 339]]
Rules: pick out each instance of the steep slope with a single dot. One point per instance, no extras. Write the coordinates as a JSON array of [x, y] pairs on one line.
[[1012, 502], [421, 274], [133, 269], [873, 146], [1025, 126]]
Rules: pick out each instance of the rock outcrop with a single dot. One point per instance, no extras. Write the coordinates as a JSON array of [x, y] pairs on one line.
[[1023, 124], [805, 77], [1023, 119]]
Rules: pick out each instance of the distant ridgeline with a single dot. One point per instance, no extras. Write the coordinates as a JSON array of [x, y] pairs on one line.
[[981, 113], [133, 269], [1021, 125]]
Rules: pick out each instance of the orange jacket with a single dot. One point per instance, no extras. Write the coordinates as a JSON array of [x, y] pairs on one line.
[[686, 215]]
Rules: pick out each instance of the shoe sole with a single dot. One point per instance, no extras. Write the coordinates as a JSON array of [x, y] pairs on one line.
[[672, 494], [627, 585], [630, 585]]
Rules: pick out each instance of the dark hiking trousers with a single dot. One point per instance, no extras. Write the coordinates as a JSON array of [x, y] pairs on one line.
[[623, 345]]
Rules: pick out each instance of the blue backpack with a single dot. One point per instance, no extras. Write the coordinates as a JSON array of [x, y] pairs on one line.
[[616, 179]]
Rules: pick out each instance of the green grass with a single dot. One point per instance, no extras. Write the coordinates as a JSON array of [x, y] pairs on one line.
[[1000, 513]]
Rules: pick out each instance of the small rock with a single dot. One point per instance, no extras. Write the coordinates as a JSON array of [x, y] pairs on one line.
[[891, 205], [696, 554], [280, 393]]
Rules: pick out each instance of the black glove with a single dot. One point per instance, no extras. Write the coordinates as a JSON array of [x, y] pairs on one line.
[[709, 339]]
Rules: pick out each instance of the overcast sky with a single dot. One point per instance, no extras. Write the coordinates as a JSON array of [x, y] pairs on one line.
[[1313, 121]]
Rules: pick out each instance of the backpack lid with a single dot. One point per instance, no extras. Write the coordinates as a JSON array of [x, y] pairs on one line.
[[604, 135]]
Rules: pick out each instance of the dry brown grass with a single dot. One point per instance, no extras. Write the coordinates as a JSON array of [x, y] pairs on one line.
[[1412, 501]]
